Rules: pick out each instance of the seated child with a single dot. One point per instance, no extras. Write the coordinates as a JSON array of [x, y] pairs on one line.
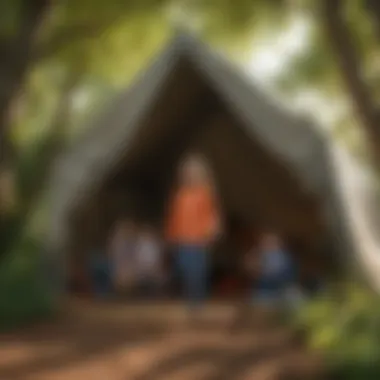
[[277, 279], [249, 270], [149, 262], [123, 256], [100, 270]]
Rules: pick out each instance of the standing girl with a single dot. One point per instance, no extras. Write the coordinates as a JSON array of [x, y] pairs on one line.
[[192, 226]]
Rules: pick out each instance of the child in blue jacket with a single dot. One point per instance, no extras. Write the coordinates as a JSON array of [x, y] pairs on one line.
[[277, 275]]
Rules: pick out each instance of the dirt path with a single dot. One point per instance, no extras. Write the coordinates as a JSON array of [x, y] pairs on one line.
[[151, 342]]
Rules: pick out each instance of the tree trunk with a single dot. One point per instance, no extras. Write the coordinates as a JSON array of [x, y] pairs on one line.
[[373, 8], [52, 145], [347, 58], [32, 182], [54, 264], [16, 53]]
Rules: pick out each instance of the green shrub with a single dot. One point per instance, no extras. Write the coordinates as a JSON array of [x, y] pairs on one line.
[[24, 294], [347, 332], [24, 297]]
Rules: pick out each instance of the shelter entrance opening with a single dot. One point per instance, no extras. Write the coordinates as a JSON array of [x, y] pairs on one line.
[[255, 186]]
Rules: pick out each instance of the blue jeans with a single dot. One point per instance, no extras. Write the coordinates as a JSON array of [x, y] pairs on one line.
[[192, 263]]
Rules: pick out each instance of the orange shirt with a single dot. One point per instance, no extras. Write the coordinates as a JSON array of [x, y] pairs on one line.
[[193, 217]]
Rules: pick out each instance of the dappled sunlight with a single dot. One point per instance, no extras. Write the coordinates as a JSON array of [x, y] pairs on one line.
[[281, 99], [272, 56], [133, 342]]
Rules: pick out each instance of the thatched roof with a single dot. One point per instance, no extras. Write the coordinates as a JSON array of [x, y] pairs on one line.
[[291, 138]]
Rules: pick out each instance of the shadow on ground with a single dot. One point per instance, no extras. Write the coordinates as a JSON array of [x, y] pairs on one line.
[[115, 342]]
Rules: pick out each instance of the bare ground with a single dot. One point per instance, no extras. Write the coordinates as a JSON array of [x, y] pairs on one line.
[[115, 341]]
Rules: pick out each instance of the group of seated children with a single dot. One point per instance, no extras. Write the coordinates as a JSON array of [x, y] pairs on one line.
[[132, 263]]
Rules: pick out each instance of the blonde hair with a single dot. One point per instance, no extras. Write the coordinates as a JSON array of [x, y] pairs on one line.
[[199, 162], [208, 177]]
